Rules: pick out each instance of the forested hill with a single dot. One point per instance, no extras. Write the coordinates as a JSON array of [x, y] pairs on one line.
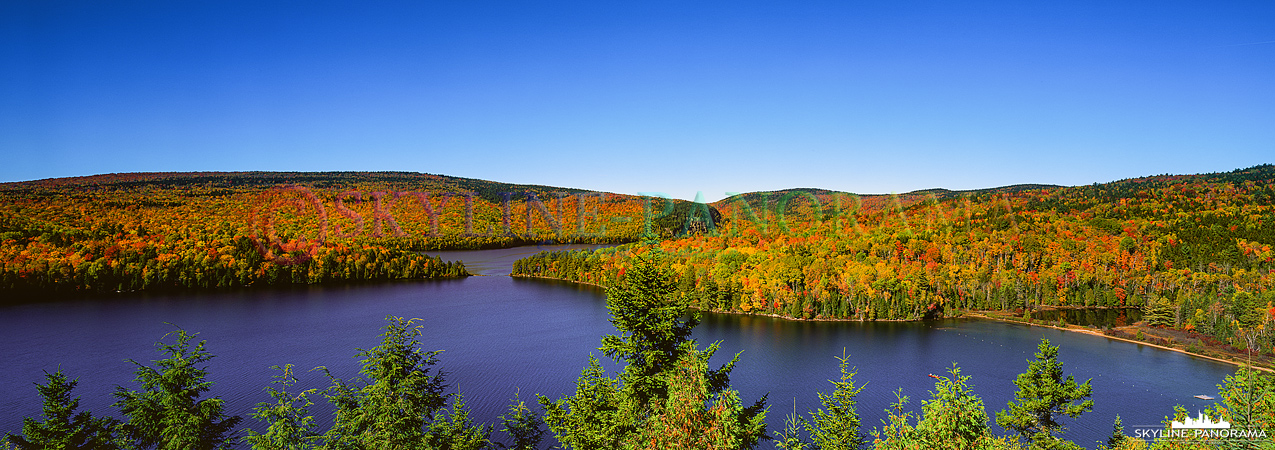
[[867, 202], [121, 232], [797, 201], [487, 190], [1195, 250]]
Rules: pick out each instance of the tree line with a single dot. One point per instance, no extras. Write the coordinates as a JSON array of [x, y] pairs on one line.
[[1196, 250], [665, 396], [127, 232]]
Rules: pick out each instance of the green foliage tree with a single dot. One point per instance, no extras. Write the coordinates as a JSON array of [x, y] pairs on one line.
[[167, 414], [953, 418], [1158, 312], [1117, 436], [1248, 399], [523, 426], [1042, 399], [791, 437], [398, 402], [652, 330], [1247, 402], [596, 417], [63, 428], [289, 423], [606, 413], [453, 430], [897, 430], [835, 426], [692, 418], [1246, 309]]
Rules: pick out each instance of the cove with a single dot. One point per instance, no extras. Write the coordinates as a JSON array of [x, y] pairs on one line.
[[502, 335]]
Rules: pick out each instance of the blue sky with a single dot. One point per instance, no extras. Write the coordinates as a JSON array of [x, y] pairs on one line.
[[674, 97]]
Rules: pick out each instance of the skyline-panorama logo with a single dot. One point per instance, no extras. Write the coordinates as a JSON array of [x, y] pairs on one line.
[[1202, 422], [1201, 429]]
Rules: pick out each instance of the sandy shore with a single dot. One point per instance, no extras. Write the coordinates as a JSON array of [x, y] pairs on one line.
[[1094, 332]]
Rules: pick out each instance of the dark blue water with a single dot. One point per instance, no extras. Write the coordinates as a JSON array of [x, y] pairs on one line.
[[502, 335]]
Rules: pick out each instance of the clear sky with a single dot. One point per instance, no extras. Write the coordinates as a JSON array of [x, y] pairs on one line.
[[642, 96]]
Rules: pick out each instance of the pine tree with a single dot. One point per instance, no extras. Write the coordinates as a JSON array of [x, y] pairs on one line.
[[63, 428], [1043, 398], [168, 413], [1158, 312]]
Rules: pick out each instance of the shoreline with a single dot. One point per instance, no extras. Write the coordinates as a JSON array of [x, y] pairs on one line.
[[738, 313], [965, 314], [586, 283], [1093, 332]]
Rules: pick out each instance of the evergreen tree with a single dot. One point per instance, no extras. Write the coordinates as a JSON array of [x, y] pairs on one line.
[[836, 425], [1248, 399], [1042, 399], [1117, 436], [1158, 312], [691, 418], [399, 401], [290, 425], [654, 336], [453, 430], [953, 418], [63, 428], [523, 427], [791, 438], [168, 413], [596, 417], [652, 330]]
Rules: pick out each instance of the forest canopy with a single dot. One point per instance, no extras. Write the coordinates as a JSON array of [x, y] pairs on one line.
[[125, 232], [1194, 251]]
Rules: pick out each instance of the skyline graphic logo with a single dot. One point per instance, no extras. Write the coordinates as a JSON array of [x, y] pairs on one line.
[[1202, 429], [1200, 423]]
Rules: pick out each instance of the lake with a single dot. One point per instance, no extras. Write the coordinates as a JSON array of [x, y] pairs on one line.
[[502, 335]]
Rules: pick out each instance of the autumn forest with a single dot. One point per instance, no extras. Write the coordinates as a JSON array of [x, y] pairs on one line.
[[1192, 254]]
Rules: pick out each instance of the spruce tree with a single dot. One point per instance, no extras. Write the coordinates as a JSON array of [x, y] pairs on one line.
[[1043, 398], [63, 428], [522, 424], [693, 419], [289, 423], [1117, 436], [655, 333], [954, 416], [836, 425], [399, 402], [652, 327], [167, 414]]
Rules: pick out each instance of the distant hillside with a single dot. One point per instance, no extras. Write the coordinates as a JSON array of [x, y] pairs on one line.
[[941, 193], [487, 190], [217, 229], [1194, 251], [796, 203]]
